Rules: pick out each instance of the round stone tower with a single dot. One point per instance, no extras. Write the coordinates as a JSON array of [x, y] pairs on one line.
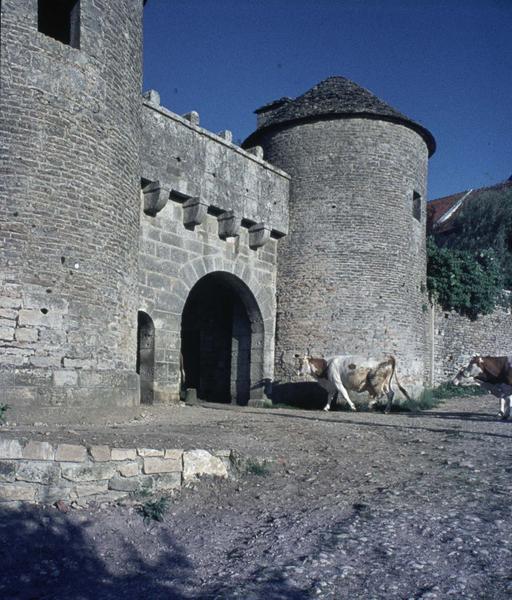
[[351, 272], [70, 111]]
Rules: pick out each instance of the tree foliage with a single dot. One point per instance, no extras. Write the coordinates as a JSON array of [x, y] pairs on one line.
[[486, 223], [470, 283]]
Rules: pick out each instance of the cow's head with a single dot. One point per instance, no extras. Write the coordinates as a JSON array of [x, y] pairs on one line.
[[473, 369], [303, 364], [307, 365]]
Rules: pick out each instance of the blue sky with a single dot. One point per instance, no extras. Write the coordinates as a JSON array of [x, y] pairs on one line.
[[445, 63]]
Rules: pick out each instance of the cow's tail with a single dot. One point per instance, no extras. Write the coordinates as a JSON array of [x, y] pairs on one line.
[[393, 366]]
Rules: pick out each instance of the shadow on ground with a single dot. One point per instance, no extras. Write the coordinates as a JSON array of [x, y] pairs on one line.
[[44, 555]]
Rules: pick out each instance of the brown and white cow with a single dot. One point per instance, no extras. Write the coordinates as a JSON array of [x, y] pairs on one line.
[[493, 373], [342, 373]]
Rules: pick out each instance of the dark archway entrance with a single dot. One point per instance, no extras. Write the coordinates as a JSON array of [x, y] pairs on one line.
[[220, 324], [146, 356]]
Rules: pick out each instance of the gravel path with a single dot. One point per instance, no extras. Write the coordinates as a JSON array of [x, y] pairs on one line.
[[352, 506]]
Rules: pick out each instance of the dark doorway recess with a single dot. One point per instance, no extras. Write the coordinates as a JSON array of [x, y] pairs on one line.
[[221, 339], [146, 356]]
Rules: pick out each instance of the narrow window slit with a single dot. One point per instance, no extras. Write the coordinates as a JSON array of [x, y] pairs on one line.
[[60, 19]]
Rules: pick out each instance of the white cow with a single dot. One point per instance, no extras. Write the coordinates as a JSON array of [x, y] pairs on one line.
[[341, 373]]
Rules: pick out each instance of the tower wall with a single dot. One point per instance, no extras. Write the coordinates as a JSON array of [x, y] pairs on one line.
[[69, 206], [351, 272]]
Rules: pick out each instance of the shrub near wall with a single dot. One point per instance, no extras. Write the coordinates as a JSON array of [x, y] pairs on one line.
[[471, 283]]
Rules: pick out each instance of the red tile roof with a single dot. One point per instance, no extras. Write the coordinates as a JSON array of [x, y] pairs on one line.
[[439, 207]]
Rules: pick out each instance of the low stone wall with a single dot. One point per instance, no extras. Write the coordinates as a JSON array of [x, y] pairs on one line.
[[44, 473]]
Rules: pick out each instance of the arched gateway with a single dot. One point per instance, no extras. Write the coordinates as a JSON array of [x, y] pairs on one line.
[[222, 339]]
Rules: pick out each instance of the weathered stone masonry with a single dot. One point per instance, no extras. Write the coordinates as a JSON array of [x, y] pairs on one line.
[[44, 473], [141, 254], [351, 273], [70, 193], [224, 211], [87, 260]]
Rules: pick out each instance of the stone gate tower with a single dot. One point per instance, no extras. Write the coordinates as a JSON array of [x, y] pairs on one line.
[[351, 272], [70, 113]]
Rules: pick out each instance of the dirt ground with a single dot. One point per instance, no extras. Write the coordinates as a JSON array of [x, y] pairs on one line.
[[350, 506]]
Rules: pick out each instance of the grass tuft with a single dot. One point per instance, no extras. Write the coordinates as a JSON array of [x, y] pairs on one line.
[[154, 510], [254, 467], [432, 397]]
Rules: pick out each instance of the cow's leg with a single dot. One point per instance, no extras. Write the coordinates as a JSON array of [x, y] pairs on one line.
[[390, 395], [341, 390], [330, 396], [505, 403]]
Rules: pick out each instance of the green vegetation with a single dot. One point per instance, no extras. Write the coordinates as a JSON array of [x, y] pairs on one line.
[[449, 390], [154, 510], [486, 224], [432, 397], [281, 405], [254, 467], [474, 264], [469, 283], [3, 410]]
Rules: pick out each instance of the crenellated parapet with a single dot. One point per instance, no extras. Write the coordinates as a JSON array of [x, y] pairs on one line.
[[208, 174]]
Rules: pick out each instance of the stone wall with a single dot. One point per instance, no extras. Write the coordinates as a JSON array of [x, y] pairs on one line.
[[457, 339], [220, 212], [44, 473], [69, 206], [351, 272]]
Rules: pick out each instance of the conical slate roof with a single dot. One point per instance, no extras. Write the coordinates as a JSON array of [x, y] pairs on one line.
[[339, 96]]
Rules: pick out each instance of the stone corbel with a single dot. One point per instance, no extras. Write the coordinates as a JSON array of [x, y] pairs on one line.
[[259, 235], [194, 212], [155, 198], [229, 225]]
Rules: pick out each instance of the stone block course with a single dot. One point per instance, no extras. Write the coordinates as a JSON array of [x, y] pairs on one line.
[[7, 471], [88, 472], [168, 481], [129, 469], [123, 484], [38, 451], [174, 454], [70, 453], [161, 465], [17, 491], [149, 452], [123, 453], [38, 472], [10, 449], [99, 453]]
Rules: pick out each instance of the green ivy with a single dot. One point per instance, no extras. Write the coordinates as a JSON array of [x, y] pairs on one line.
[[470, 283]]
